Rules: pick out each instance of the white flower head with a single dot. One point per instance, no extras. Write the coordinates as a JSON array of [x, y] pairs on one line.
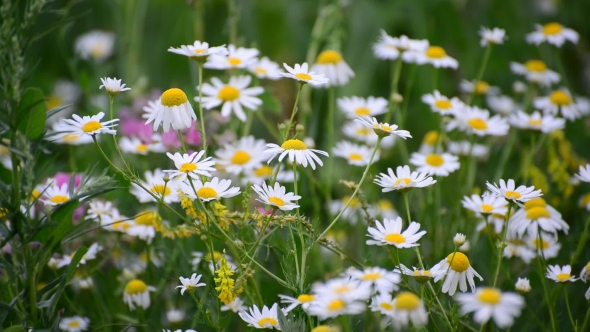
[[91, 125], [544, 123], [331, 64], [537, 213], [154, 182], [466, 148], [552, 33], [266, 69], [435, 164], [408, 308], [390, 233], [190, 284], [137, 293], [535, 71], [199, 50], [173, 110], [265, 319], [559, 101], [276, 196], [332, 306], [441, 104], [302, 74], [385, 48], [97, 45], [297, 152], [495, 36], [489, 303], [523, 285], [474, 120], [436, 56], [560, 273], [383, 129], [234, 96], [458, 272], [303, 300], [509, 191], [357, 106], [133, 145], [584, 174], [113, 86], [355, 154], [190, 165], [242, 156], [403, 179], [380, 279], [501, 104], [74, 324], [210, 190], [485, 204], [459, 239], [478, 87], [236, 305], [420, 275], [54, 195], [359, 132], [236, 57]]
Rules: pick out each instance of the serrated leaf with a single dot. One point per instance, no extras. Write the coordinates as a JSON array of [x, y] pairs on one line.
[[270, 102], [32, 113]]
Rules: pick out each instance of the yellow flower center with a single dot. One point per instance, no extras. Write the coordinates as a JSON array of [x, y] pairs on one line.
[[240, 157], [588, 267], [323, 328], [431, 137], [329, 57], [535, 122], [147, 218], [405, 180], [305, 298], [541, 244], [512, 194], [443, 104], [425, 272], [135, 286], [537, 212], [91, 126], [206, 192], [58, 199], [200, 51], [436, 52], [487, 208], [552, 28], [355, 156], [385, 205], [478, 124], [263, 171], [121, 224], [228, 93], [407, 301], [294, 144], [336, 305], [585, 200], [395, 238], [363, 131], [355, 203], [161, 190], [372, 276], [303, 76], [234, 61], [188, 167], [459, 263], [276, 201], [363, 111], [481, 87], [435, 160], [53, 102], [74, 324], [560, 98], [141, 148], [71, 137], [386, 306], [174, 97], [36, 193], [342, 290], [260, 70], [268, 320], [536, 65], [563, 276], [489, 295], [380, 126]]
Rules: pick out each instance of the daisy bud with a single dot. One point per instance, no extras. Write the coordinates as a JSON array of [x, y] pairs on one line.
[[459, 239], [397, 98], [299, 128], [282, 127], [523, 285], [166, 178], [519, 87]]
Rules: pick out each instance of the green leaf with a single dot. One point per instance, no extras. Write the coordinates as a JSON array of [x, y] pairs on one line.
[[270, 102], [66, 278], [61, 222], [14, 328], [32, 114], [57, 110]]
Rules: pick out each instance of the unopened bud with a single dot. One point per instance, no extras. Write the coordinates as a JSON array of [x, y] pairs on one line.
[[459, 239], [523, 285], [299, 128], [397, 98], [282, 126], [166, 178]]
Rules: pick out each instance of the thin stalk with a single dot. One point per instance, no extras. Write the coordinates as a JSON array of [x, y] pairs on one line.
[[301, 238], [550, 306], [329, 169], [405, 193], [482, 68], [581, 243], [201, 117], [569, 311], [502, 244], [182, 141], [586, 319], [293, 112], [396, 70]]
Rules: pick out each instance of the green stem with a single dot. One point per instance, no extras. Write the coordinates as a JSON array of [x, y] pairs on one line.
[[482, 68], [286, 133], [561, 69], [301, 238], [201, 117], [586, 319], [396, 70], [329, 169], [405, 193], [569, 311], [550, 306], [182, 141], [502, 244], [581, 243], [233, 22]]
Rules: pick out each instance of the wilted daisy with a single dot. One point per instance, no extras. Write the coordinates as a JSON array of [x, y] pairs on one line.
[[403, 179], [265, 319], [535, 71], [199, 50], [276, 196], [508, 191], [173, 110], [584, 175], [113, 85], [357, 106], [537, 213], [74, 324], [390, 233], [485, 205], [301, 74], [96, 44], [54, 195], [436, 56], [236, 57], [236, 305], [552, 33], [355, 154], [435, 164], [331, 64], [523, 285], [137, 293], [381, 279], [558, 101], [210, 190], [408, 308], [535, 121], [489, 302], [441, 104], [242, 156], [297, 152], [501, 104], [330, 307], [305, 300], [478, 87], [493, 36], [190, 165], [474, 120], [383, 129], [190, 283], [91, 125], [459, 273], [466, 148], [235, 95], [560, 274], [266, 69]]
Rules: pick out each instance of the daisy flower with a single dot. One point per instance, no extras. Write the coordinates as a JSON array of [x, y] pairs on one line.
[[266, 69], [88, 256], [436, 56], [478, 87], [544, 123], [560, 274], [585, 201], [485, 205], [403, 179], [74, 324], [465, 148], [474, 120], [64, 92], [537, 213], [501, 104], [199, 50], [535, 71], [356, 155], [517, 247], [137, 293], [383, 303], [301, 74], [243, 156], [353, 213], [383, 129], [386, 47], [209, 191], [508, 191], [143, 225], [489, 302], [435, 164], [390, 233], [523, 285], [154, 182], [459, 239], [190, 283], [429, 142], [100, 210], [97, 45], [408, 308], [344, 288], [235, 95], [133, 145], [384, 209], [458, 271], [55, 195], [441, 104], [330, 307], [305, 300], [558, 100], [276, 196], [552, 33], [113, 86], [381, 279], [173, 110], [357, 131], [297, 152], [91, 125], [190, 165], [495, 36], [547, 246], [267, 319], [331, 64], [584, 175], [357, 106], [236, 305], [420, 275], [236, 57]]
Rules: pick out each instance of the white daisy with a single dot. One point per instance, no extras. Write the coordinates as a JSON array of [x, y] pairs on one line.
[[478, 87], [436, 56], [458, 271], [519, 87], [113, 85], [91, 125], [239, 57], [584, 175], [305, 300], [331, 64], [235, 95], [380, 279], [267, 319], [385, 48], [236, 305], [390, 233], [266, 69], [535, 71], [297, 152], [560, 274], [495, 36], [173, 110], [142, 226], [343, 288], [54, 195], [517, 247], [403, 179], [190, 165], [190, 283], [537, 213], [100, 210], [199, 50], [435, 164], [383, 129], [501, 104], [330, 307], [63, 133], [544, 123], [276, 196], [137, 293], [441, 104], [210, 190], [407, 307], [383, 303], [508, 191], [64, 92], [523, 285], [489, 302], [357, 106], [465, 149], [558, 100], [355, 154], [88, 256], [552, 33], [359, 132], [459, 239], [485, 205], [301, 74], [154, 182], [150, 108], [353, 213], [474, 120], [74, 324], [96, 44], [429, 142], [384, 209], [242, 156], [133, 145], [547, 246]]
